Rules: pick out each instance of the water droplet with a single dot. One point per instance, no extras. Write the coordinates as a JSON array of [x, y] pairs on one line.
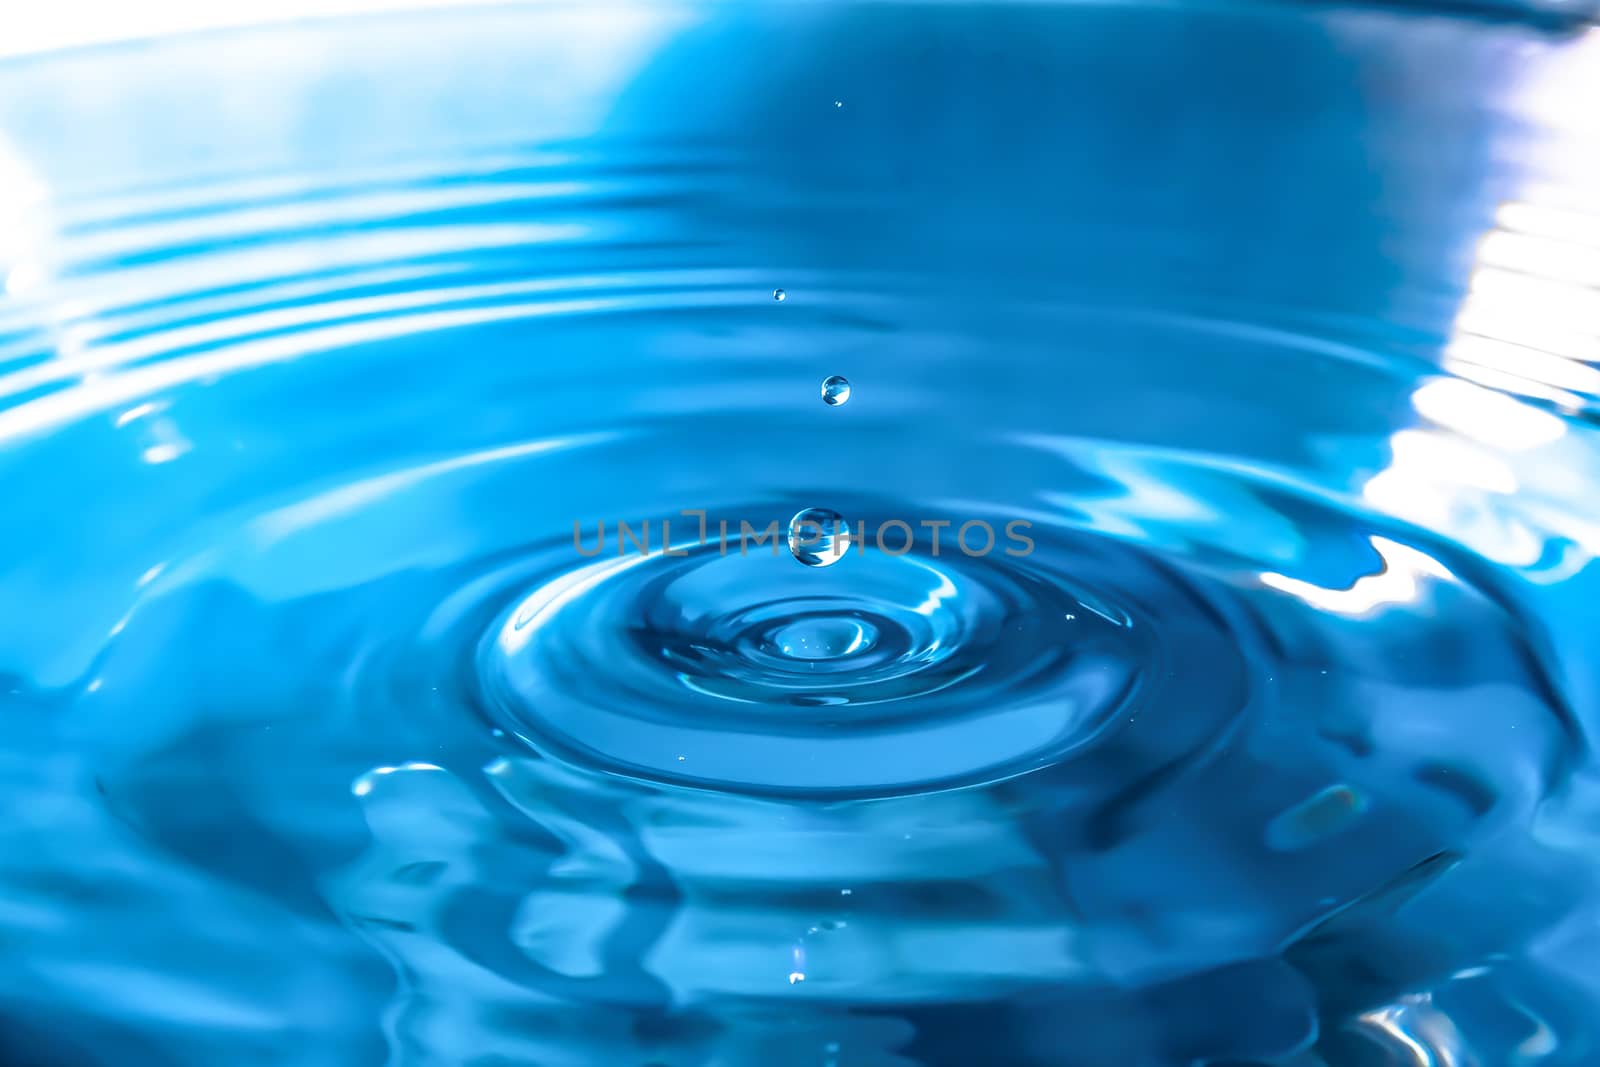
[[838, 103], [818, 537], [835, 390], [779, 295]]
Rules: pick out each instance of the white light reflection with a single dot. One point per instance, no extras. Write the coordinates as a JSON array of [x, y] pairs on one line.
[[165, 452], [166, 441], [23, 230], [75, 23], [1531, 320], [363, 785], [1398, 582], [1481, 495], [1486, 416], [1427, 463], [138, 411], [1520, 367], [937, 596], [1415, 1032], [1489, 463], [1559, 224], [1553, 260], [24, 278]]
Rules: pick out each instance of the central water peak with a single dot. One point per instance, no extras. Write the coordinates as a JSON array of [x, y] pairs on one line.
[[824, 638]]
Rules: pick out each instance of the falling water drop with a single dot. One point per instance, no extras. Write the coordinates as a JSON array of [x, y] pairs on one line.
[[818, 537], [779, 295], [835, 390], [797, 971]]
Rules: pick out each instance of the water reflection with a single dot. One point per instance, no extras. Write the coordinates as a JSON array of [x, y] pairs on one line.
[[1275, 750]]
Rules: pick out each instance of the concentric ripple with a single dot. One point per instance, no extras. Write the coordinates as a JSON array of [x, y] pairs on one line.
[[882, 674]]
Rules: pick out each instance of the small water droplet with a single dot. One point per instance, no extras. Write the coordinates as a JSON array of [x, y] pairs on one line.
[[779, 295], [835, 390], [818, 537], [838, 103]]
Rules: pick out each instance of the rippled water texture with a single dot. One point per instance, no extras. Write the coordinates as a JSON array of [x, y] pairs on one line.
[[334, 733]]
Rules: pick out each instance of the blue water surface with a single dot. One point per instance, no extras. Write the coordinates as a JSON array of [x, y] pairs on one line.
[[336, 729]]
